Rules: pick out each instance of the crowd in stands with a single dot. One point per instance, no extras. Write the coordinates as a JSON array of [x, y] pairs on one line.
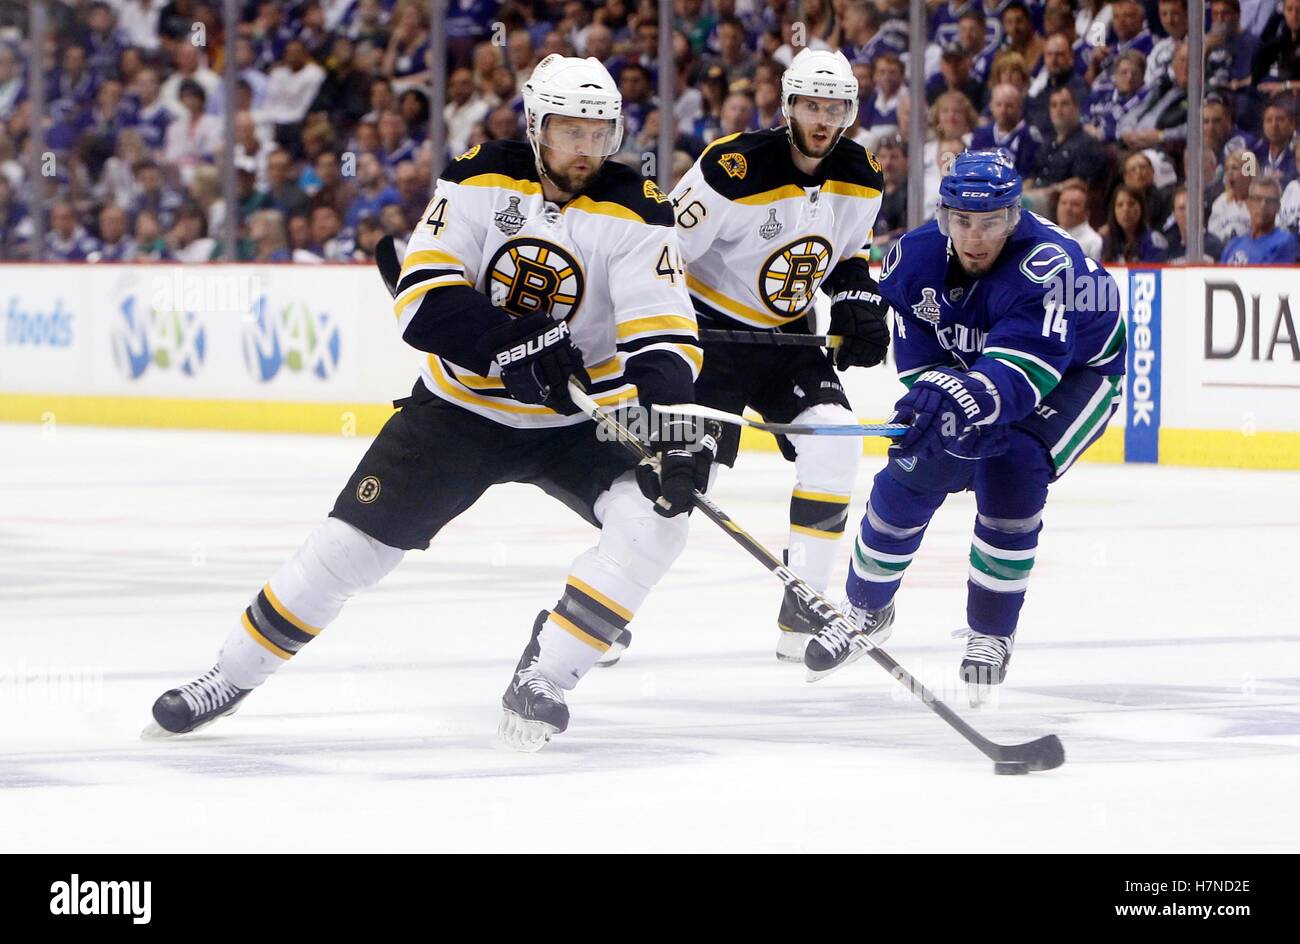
[[332, 112]]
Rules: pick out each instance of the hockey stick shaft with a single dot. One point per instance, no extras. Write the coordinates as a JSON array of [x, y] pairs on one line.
[[786, 429], [823, 611], [727, 336]]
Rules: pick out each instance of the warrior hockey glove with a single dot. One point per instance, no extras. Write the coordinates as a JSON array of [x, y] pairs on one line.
[[685, 449], [860, 316], [537, 357], [941, 408]]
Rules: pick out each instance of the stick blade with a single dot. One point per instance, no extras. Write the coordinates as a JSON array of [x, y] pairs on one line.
[[390, 267], [1046, 753]]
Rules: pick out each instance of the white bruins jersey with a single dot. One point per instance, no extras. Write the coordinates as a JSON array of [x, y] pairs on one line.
[[758, 235], [607, 262]]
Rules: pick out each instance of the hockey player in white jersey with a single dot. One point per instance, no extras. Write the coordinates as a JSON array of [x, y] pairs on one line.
[[534, 263], [765, 218]]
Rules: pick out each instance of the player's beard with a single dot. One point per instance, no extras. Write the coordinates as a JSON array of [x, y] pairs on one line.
[[572, 182], [805, 146]]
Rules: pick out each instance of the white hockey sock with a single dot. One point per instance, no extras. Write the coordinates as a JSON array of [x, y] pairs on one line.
[[825, 467], [301, 599]]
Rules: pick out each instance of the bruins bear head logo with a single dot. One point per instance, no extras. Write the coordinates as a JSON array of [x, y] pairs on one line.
[[652, 192], [734, 164]]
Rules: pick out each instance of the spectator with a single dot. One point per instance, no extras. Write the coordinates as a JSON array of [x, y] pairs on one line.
[[13, 89], [954, 75], [1229, 215], [891, 221], [369, 232], [1220, 132], [104, 42], [1070, 152], [1018, 34], [405, 59], [72, 83], [736, 61], [1175, 233], [1126, 237], [1161, 119], [1228, 50], [246, 70], [152, 195], [413, 193], [195, 138], [292, 87], [300, 246], [67, 240], [1139, 174], [634, 84], [390, 217], [463, 110], [15, 223], [413, 106], [503, 125], [149, 241], [1108, 107], [329, 240], [395, 144], [373, 191], [116, 244], [1275, 152], [1009, 130], [151, 115], [1057, 72], [189, 68], [188, 239], [882, 112], [335, 190], [1072, 216], [737, 113], [1264, 244], [283, 192], [1290, 214], [1173, 20], [138, 21], [600, 42], [1127, 31], [862, 39], [1276, 66]]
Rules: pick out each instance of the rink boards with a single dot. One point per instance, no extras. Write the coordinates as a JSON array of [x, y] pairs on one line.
[[1213, 363]]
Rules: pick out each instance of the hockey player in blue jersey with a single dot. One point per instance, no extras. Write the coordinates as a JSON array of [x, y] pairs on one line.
[[1011, 343]]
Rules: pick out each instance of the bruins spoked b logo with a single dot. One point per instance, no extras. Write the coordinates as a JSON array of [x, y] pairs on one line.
[[792, 273], [528, 275], [368, 490]]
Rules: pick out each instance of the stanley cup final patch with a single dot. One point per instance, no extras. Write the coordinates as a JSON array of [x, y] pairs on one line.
[[927, 309], [510, 219], [772, 227]]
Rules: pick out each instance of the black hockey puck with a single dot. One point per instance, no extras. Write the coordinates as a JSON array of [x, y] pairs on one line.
[[1010, 767]]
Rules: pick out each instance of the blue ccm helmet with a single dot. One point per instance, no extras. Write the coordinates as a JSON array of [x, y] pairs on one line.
[[981, 181]]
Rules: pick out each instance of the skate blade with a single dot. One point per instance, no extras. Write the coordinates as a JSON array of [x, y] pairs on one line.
[[153, 731], [790, 646], [521, 734]]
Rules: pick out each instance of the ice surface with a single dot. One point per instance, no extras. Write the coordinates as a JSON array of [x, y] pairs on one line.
[[1160, 640]]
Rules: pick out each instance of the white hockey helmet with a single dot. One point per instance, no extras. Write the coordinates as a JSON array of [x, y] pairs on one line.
[[574, 88], [820, 73]]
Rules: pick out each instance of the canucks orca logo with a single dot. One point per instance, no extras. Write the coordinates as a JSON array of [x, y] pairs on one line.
[[791, 274], [734, 164], [294, 339], [527, 275], [163, 340]]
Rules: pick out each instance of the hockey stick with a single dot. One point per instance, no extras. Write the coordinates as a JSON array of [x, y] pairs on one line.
[[786, 429], [727, 336], [390, 267], [1045, 753]]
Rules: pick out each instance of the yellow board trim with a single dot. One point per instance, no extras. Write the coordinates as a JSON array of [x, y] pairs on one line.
[[262, 640], [677, 324], [1229, 448], [501, 180], [827, 497], [573, 629], [261, 416], [727, 303], [284, 611], [815, 533], [600, 598], [604, 208]]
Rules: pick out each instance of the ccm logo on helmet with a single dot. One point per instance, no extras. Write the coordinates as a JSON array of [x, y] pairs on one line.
[[974, 193], [520, 351]]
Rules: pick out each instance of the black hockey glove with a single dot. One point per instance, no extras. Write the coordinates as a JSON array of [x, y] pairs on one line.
[[860, 315], [537, 357], [685, 447]]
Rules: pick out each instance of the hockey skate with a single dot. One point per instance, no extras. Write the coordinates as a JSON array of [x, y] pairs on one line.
[[194, 705], [985, 663], [832, 648], [616, 650], [533, 706], [797, 625]]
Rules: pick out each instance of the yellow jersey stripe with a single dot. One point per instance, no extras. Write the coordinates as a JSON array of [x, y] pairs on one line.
[[284, 611], [717, 299], [604, 208], [262, 640], [419, 290], [823, 497], [844, 189], [429, 257], [501, 180], [814, 533], [606, 370], [722, 140], [447, 384], [784, 192], [689, 352], [676, 324], [576, 631], [600, 598]]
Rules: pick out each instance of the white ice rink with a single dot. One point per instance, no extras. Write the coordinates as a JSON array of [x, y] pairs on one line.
[[1160, 641]]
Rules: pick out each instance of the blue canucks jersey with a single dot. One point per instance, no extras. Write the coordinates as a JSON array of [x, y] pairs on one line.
[[1043, 310]]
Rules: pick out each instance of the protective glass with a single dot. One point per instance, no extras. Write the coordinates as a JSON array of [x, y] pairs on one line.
[[591, 137], [967, 224], [823, 111]]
